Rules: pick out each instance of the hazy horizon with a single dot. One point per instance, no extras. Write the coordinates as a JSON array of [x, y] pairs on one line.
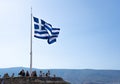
[[58, 68]]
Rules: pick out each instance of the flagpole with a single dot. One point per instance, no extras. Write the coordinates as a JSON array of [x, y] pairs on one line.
[[31, 45]]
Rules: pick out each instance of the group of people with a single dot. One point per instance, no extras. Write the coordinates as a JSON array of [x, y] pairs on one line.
[[34, 74], [24, 73]]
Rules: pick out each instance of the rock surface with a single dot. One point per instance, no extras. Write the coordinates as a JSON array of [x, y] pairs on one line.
[[33, 80]]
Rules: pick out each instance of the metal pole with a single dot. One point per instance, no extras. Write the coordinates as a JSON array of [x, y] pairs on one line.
[[31, 45]]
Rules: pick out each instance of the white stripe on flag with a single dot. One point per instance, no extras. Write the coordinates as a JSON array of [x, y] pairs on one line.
[[42, 35], [55, 31], [50, 39]]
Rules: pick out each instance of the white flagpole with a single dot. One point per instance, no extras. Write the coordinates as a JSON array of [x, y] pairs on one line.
[[31, 45]]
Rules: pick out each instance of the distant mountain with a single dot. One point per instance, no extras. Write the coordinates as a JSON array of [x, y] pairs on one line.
[[75, 76]]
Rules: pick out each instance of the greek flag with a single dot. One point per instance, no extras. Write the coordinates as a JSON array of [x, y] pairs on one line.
[[44, 30]]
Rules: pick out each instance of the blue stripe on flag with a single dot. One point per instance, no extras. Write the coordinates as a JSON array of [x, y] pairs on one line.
[[45, 37], [41, 32]]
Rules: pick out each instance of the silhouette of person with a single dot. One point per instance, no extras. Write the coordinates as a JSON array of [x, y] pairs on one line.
[[12, 75], [40, 73], [22, 73], [48, 72], [27, 74], [34, 74]]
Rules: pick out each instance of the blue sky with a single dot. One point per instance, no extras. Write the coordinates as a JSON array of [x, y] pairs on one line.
[[89, 37]]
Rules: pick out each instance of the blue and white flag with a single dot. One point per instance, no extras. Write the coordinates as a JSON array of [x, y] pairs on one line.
[[44, 30]]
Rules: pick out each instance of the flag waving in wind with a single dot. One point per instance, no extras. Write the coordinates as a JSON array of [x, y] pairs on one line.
[[44, 30]]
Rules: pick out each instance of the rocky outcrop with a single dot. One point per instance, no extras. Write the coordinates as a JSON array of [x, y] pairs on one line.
[[33, 80]]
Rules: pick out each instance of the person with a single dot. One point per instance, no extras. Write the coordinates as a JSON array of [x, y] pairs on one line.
[[54, 76], [27, 74], [48, 72], [22, 73], [12, 75], [43, 75], [6, 75], [40, 73], [34, 74]]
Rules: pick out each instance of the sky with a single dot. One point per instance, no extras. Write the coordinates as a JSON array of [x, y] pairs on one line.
[[89, 34]]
